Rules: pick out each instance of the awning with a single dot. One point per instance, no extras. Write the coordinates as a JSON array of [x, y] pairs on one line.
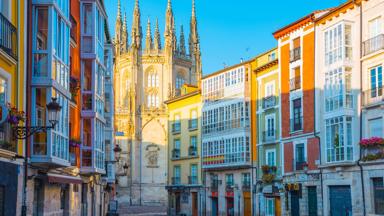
[[63, 179]]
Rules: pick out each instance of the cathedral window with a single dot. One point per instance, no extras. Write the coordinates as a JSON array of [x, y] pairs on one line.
[[153, 100], [179, 82], [153, 80]]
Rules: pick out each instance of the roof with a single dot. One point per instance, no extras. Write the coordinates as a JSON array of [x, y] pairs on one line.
[[227, 69], [336, 10], [172, 100]]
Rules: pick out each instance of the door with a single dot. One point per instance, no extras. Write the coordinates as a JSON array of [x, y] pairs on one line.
[[312, 201], [340, 200], [295, 207], [230, 206], [38, 198], [195, 208], [177, 203], [215, 206], [278, 206], [247, 204]]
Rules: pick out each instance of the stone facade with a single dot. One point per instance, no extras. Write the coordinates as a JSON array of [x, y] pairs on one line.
[[144, 79]]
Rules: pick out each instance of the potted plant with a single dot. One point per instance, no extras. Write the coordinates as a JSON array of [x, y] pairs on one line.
[[74, 86], [14, 116], [74, 143]]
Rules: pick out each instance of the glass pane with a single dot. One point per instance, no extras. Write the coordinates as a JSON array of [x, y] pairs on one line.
[[42, 29]]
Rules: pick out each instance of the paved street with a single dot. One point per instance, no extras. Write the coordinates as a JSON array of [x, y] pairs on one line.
[[142, 210]]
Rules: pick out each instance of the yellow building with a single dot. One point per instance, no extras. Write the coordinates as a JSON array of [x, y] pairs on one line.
[[266, 130], [12, 91], [184, 175]]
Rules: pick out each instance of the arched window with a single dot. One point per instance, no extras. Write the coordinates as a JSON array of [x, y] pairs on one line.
[[153, 80], [153, 100], [179, 81]]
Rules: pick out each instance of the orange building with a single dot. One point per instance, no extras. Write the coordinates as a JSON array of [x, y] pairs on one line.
[[299, 142]]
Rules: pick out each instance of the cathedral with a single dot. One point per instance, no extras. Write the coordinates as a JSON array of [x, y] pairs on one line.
[[146, 75]]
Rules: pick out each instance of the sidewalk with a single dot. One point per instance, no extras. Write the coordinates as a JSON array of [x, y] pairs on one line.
[[142, 210]]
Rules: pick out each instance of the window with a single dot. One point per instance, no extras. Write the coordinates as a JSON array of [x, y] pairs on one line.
[[179, 81], [270, 126], [3, 91], [338, 136], [269, 89], [194, 141], [42, 28], [193, 170], [270, 206], [176, 174], [153, 80], [176, 144], [374, 27], [271, 56], [338, 92], [297, 115], [338, 43], [153, 100], [229, 180], [5, 8], [378, 192], [246, 179], [375, 127], [88, 19], [376, 78], [270, 157], [300, 160]]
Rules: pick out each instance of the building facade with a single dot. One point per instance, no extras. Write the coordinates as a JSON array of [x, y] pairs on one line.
[[185, 188], [372, 102], [300, 144], [338, 112], [12, 100], [145, 76], [266, 133], [226, 141]]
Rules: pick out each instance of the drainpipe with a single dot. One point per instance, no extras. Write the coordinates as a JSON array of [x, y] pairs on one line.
[[316, 134], [361, 101]]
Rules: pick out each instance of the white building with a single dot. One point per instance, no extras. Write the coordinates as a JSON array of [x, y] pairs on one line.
[[338, 109], [226, 146]]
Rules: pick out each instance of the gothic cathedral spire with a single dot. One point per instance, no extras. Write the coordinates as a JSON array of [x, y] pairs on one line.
[[148, 38], [157, 39], [118, 29], [182, 42], [169, 27], [194, 46], [136, 27]]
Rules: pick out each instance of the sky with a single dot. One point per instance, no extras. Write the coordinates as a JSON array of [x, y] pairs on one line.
[[229, 30]]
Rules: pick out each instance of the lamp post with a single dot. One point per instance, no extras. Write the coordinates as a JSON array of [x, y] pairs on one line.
[[23, 132]]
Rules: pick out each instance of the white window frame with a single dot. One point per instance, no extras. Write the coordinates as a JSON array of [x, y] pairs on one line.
[[268, 117], [298, 142], [380, 119], [269, 86], [267, 153], [267, 203], [377, 23]]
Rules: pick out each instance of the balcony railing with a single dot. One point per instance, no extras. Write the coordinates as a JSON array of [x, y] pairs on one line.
[[8, 37], [176, 180], [192, 151], [373, 96], [192, 180], [246, 185], [214, 185], [176, 127], [269, 102], [7, 142], [175, 153], [229, 187], [300, 164], [373, 44], [295, 83], [296, 124], [192, 124], [269, 135], [73, 29], [295, 54]]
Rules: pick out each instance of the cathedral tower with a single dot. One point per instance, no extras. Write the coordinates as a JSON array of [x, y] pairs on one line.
[[146, 75]]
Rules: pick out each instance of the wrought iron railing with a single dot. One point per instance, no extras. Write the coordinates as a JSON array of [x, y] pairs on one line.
[[372, 96], [373, 44], [192, 151], [295, 54], [192, 180], [295, 83], [176, 153], [269, 102], [176, 127], [176, 180], [8, 37], [192, 124], [296, 124], [269, 135], [300, 164]]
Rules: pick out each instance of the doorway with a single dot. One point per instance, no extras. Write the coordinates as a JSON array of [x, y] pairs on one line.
[[230, 206], [195, 207], [215, 206], [340, 200], [295, 205]]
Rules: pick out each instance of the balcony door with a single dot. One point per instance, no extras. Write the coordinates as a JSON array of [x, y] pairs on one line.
[[376, 78]]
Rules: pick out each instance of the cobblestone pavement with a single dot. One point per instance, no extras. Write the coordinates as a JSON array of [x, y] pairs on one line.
[[142, 210]]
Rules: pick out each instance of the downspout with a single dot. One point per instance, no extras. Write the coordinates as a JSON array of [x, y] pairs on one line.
[[315, 133], [28, 62], [361, 100]]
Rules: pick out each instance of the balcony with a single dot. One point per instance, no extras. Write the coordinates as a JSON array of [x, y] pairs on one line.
[[192, 124], [269, 102], [269, 136], [296, 124], [374, 44], [229, 187], [299, 165], [372, 149], [74, 32], [215, 185], [246, 185], [176, 127], [269, 173], [176, 181], [295, 54], [7, 142], [373, 96], [192, 151], [175, 153], [8, 37], [295, 83], [192, 180]]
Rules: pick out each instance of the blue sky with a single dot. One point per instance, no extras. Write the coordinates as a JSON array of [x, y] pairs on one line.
[[229, 30]]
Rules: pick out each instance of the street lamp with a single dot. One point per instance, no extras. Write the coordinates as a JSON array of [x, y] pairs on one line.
[[53, 109]]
